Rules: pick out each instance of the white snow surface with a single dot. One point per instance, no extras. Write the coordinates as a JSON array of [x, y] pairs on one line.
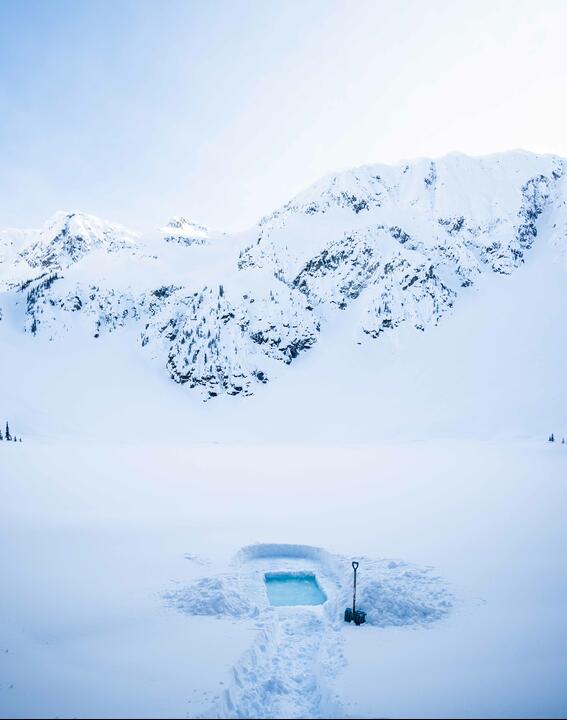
[[383, 360], [93, 546]]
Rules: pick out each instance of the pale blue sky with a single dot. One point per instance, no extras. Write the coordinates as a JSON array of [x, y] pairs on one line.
[[136, 110]]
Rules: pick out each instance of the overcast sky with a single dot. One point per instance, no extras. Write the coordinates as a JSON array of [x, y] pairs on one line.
[[221, 110]]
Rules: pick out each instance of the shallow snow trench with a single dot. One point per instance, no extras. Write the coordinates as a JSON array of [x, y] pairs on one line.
[[298, 593], [293, 589]]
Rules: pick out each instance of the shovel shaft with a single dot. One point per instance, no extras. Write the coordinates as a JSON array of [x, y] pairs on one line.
[[354, 593]]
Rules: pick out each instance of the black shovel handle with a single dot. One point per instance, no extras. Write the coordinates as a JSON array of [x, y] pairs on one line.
[[354, 565]]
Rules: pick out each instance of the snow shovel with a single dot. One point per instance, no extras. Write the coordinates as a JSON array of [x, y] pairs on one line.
[[358, 616]]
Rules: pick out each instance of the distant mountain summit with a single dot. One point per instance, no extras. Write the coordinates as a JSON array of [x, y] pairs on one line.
[[183, 231], [66, 238], [387, 245], [69, 237]]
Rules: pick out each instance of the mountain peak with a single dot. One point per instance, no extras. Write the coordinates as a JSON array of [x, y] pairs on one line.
[[67, 237], [179, 222], [185, 232]]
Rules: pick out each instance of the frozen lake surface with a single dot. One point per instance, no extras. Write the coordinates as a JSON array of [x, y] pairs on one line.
[[93, 536]]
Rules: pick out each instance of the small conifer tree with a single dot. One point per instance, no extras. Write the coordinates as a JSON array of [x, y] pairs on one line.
[[7, 433]]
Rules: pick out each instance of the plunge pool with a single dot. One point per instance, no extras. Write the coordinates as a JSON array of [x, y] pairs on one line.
[[299, 588]]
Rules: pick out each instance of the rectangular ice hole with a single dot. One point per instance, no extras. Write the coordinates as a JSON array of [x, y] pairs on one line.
[[299, 588]]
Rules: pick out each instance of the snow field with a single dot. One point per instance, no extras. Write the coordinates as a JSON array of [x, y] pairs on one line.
[[86, 563]]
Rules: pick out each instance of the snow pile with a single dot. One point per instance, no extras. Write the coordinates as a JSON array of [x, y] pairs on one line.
[[274, 551], [393, 593], [397, 594], [212, 596]]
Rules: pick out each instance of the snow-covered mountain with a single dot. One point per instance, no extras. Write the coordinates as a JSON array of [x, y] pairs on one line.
[[183, 231], [377, 247], [64, 240]]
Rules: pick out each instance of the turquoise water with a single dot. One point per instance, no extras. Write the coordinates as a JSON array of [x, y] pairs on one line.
[[293, 589]]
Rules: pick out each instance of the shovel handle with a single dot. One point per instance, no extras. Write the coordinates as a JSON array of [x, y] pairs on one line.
[[354, 564]]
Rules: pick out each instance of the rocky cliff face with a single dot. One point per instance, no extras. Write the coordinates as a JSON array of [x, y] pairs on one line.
[[401, 243]]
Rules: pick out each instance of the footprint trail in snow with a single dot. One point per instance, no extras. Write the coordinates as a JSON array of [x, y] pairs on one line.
[[287, 672]]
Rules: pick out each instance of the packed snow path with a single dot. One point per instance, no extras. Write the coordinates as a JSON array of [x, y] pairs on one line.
[[287, 672]]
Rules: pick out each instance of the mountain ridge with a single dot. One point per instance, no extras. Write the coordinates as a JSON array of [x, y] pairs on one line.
[[222, 313]]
